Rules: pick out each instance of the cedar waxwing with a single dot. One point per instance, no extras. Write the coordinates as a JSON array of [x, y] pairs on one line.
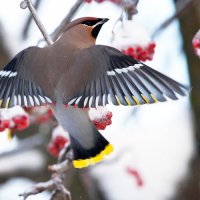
[[74, 72]]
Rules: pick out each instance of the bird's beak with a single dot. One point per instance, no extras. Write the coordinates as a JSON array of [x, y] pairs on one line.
[[103, 21], [97, 27]]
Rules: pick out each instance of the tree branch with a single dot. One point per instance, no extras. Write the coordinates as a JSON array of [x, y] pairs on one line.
[[29, 4], [56, 182], [29, 20]]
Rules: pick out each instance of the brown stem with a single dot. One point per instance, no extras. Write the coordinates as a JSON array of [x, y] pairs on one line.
[[29, 4]]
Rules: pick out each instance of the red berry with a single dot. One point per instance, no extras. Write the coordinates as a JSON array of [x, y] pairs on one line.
[[57, 145], [2, 129], [152, 45], [138, 49], [50, 113], [16, 120], [5, 123], [109, 115], [130, 49]]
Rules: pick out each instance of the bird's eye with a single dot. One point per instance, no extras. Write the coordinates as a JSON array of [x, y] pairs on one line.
[[89, 23]]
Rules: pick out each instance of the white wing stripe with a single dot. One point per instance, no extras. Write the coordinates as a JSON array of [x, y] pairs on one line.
[[125, 69], [77, 101], [7, 73], [72, 101], [85, 101]]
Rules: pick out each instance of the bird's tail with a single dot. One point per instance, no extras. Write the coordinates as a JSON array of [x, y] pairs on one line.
[[83, 157], [88, 145]]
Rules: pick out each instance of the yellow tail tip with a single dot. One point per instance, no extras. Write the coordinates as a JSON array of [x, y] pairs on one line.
[[91, 161]]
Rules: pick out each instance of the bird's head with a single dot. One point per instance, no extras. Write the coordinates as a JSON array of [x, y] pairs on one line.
[[84, 30], [91, 25]]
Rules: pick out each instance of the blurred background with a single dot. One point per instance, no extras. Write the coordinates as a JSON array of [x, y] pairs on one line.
[[157, 147]]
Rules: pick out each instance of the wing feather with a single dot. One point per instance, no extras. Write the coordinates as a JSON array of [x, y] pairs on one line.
[[121, 80]]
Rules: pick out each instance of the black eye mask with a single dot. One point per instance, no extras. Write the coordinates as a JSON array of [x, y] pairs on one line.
[[91, 22]]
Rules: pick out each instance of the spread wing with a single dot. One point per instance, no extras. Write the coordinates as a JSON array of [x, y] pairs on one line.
[[121, 80], [16, 84]]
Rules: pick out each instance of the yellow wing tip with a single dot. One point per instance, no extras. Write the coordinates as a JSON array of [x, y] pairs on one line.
[[145, 99], [91, 161], [9, 134], [154, 98]]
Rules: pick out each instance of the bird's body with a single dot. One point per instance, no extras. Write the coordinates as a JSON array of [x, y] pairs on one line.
[[74, 72]]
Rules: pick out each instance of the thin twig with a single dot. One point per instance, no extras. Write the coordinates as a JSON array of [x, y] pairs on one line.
[[38, 188], [29, 20], [29, 4], [130, 7], [61, 167], [54, 195], [56, 182], [66, 20], [64, 161]]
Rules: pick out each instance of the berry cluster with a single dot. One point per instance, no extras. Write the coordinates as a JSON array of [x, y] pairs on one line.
[[59, 139], [140, 53], [100, 117], [57, 145], [196, 43], [133, 40], [14, 118]]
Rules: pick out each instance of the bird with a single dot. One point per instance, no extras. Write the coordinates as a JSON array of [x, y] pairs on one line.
[[75, 74]]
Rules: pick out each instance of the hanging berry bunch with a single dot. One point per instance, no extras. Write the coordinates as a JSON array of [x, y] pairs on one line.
[[196, 43], [59, 139], [15, 118], [133, 40], [100, 117]]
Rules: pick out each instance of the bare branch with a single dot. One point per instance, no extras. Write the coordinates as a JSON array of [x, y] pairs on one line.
[[60, 167], [59, 185], [38, 188], [29, 20], [29, 4], [130, 6], [56, 182], [54, 195]]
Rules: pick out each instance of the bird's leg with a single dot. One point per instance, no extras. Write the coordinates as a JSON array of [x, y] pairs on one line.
[[28, 3]]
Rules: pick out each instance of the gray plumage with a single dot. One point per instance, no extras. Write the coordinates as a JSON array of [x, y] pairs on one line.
[[76, 72]]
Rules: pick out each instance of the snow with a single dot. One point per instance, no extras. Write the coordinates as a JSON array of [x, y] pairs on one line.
[[124, 36], [17, 186], [31, 160]]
